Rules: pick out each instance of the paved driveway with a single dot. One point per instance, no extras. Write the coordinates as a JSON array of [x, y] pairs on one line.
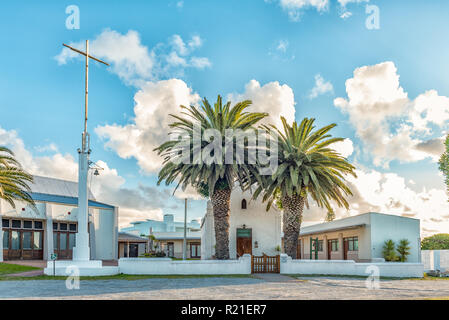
[[225, 288]]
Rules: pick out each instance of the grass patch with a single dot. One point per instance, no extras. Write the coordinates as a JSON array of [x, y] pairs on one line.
[[128, 277], [7, 268]]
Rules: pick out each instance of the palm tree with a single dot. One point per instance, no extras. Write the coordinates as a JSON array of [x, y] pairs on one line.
[[217, 178], [307, 167], [13, 179]]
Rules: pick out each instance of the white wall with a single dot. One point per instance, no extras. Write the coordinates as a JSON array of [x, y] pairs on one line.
[[349, 267], [396, 228], [435, 260], [105, 234], [266, 226], [166, 266]]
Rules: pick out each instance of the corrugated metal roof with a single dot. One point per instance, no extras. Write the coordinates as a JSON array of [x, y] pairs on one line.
[[58, 187]]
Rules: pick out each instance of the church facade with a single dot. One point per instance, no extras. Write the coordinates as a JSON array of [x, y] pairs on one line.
[[253, 230]]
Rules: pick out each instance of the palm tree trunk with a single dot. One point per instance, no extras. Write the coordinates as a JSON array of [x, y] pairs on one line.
[[221, 200], [293, 208]]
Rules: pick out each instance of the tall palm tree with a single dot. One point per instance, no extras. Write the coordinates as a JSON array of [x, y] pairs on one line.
[[308, 166], [219, 177], [13, 179]]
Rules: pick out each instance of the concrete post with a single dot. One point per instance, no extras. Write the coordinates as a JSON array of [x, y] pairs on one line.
[[49, 246], [81, 252], [340, 246], [325, 248]]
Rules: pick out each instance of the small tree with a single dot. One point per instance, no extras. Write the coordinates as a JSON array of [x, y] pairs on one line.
[[389, 251], [444, 163], [438, 241], [403, 249]]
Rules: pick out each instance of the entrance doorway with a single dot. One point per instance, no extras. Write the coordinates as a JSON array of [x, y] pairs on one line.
[[244, 241]]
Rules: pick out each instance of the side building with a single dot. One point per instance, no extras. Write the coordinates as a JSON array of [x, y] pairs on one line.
[[360, 238], [29, 234]]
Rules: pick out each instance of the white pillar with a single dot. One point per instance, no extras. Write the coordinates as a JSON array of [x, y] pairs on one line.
[[341, 246], [81, 251], [48, 236]]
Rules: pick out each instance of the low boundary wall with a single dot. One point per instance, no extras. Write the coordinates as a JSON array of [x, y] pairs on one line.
[[167, 266], [435, 260], [350, 267]]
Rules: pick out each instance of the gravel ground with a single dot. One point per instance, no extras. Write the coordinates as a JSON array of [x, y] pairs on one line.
[[265, 288]]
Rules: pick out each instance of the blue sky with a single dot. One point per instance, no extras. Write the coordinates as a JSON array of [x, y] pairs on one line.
[[236, 42]]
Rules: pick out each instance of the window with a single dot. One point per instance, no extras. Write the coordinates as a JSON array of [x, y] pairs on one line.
[[55, 241], [16, 224], [63, 241], [26, 240], [37, 241], [353, 243], [15, 240], [5, 239], [72, 227], [244, 204], [334, 244], [63, 226], [55, 226], [37, 224], [72, 241], [170, 249], [28, 224], [5, 223]]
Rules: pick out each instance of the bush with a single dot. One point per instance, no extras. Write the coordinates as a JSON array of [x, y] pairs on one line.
[[403, 250], [436, 242], [389, 251]]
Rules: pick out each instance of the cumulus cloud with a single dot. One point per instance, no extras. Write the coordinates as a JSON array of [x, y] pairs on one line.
[[391, 126], [273, 98], [389, 193], [345, 147], [321, 87], [142, 202], [134, 62], [294, 7], [149, 128]]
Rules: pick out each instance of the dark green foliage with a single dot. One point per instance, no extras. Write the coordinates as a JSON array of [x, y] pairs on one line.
[[438, 241]]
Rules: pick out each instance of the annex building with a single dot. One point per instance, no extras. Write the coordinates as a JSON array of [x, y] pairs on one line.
[[28, 234]]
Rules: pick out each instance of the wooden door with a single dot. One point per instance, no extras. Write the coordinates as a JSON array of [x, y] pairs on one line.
[[15, 252], [244, 245], [329, 250], [345, 249]]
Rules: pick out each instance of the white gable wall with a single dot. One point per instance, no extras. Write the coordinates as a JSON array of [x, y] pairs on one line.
[[266, 226]]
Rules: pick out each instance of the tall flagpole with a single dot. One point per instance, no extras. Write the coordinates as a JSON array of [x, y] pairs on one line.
[[81, 251]]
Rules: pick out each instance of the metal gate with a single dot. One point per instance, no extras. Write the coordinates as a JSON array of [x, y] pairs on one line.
[[265, 264]]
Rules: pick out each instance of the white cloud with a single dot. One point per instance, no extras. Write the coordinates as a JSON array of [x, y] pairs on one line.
[[345, 15], [388, 193], [321, 87], [391, 126], [149, 128], [295, 7], [282, 45], [343, 3], [143, 202], [180, 4], [134, 62], [273, 98], [345, 147]]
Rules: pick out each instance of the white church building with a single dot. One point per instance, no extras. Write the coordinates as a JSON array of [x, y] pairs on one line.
[[34, 235], [252, 230]]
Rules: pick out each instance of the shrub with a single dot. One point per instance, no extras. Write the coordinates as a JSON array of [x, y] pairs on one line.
[[403, 249], [389, 251]]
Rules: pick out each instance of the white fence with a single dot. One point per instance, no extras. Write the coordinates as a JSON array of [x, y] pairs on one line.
[[435, 260], [167, 266], [350, 267]]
